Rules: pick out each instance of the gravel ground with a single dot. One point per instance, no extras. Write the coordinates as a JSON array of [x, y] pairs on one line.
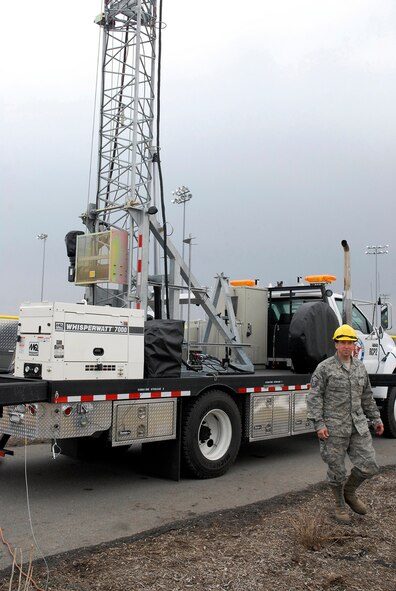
[[288, 543]]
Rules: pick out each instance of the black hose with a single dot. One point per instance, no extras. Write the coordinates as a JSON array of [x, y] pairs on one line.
[[156, 158]]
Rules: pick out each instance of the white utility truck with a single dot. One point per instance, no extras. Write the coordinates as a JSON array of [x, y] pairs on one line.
[[80, 379], [102, 373]]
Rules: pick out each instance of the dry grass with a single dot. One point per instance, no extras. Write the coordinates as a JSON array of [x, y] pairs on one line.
[[289, 543], [20, 579], [313, 531]]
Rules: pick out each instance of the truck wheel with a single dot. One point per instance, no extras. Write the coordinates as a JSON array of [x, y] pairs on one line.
[[211, 435], [388, 414]]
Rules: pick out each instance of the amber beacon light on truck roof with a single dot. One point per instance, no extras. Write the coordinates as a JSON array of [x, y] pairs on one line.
[[320, 278]]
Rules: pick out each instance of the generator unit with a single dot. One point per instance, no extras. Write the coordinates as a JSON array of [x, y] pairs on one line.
[[60, 341]]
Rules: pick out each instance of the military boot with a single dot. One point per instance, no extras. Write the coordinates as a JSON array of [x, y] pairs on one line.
[[341, 512], [353, 482]]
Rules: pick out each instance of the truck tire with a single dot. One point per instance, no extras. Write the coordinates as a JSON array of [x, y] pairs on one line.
[[211, 435], [388, 414]]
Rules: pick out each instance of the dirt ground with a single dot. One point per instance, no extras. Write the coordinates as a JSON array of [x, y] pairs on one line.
[[288, 543]]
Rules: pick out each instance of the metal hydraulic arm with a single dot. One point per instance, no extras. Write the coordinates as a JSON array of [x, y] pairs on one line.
[[229, 332]]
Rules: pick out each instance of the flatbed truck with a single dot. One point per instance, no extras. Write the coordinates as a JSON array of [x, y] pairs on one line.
[[191, 421], [82, 381]]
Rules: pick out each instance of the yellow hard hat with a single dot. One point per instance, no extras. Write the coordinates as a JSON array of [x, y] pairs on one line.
[[345, 333]]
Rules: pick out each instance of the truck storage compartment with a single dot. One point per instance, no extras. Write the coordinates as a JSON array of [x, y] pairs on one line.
[[143, 421]]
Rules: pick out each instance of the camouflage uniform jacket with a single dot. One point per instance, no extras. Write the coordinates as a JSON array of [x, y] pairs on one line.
[[340, 399]]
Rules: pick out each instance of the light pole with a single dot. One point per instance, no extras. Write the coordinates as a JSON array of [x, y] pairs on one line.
[[42, 237], [189, 242], [376, 250], [182, 196]]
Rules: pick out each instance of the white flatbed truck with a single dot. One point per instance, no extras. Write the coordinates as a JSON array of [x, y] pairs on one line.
[[79, 381], [93, 389]]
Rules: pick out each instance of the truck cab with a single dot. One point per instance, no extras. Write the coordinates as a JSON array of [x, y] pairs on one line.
[[375, 347]]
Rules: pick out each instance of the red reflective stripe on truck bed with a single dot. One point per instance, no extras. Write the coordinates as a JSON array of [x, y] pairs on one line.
[[273, 389], [172, 394], [122, 396]]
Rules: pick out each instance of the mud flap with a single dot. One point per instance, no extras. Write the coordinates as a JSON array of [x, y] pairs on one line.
[[163, 458]]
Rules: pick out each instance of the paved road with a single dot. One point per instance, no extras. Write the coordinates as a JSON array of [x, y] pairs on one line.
[[76, 503]]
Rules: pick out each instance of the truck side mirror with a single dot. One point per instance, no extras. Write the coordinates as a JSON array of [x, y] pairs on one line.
[[386, 316]]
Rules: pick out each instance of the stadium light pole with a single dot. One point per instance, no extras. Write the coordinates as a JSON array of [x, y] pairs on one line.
[[182, 196], [42, 237], [190, 243], [376, 249]]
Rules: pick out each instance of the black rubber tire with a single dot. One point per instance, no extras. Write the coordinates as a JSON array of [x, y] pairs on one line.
[[388, 414], [199, 441]]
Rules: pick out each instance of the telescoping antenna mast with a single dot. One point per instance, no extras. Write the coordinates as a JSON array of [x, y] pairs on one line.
[[118, 221], [113, 257]]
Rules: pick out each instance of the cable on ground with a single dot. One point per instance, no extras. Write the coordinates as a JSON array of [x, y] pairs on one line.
[[30, 516]]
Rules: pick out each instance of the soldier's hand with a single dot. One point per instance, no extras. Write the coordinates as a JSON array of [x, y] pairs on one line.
[[379, 429], [323, 433]]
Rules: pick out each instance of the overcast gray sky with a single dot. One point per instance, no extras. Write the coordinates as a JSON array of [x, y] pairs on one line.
[[279, 116]]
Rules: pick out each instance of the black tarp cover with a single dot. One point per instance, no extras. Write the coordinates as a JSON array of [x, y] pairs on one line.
[[311, 335], [163, 341]]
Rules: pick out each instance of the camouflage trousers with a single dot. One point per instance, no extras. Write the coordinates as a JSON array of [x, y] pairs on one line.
[[360, 451]]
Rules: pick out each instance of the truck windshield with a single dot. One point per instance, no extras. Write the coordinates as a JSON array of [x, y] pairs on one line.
[[359, 320], [283, 310]]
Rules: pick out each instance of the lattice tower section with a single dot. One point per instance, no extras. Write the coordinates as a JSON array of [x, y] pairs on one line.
[[126, 125]]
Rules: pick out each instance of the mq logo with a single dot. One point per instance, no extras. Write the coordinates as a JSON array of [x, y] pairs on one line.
[[33, 349]]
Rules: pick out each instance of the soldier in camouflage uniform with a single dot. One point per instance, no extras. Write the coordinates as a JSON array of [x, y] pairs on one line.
[[339, 403]]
